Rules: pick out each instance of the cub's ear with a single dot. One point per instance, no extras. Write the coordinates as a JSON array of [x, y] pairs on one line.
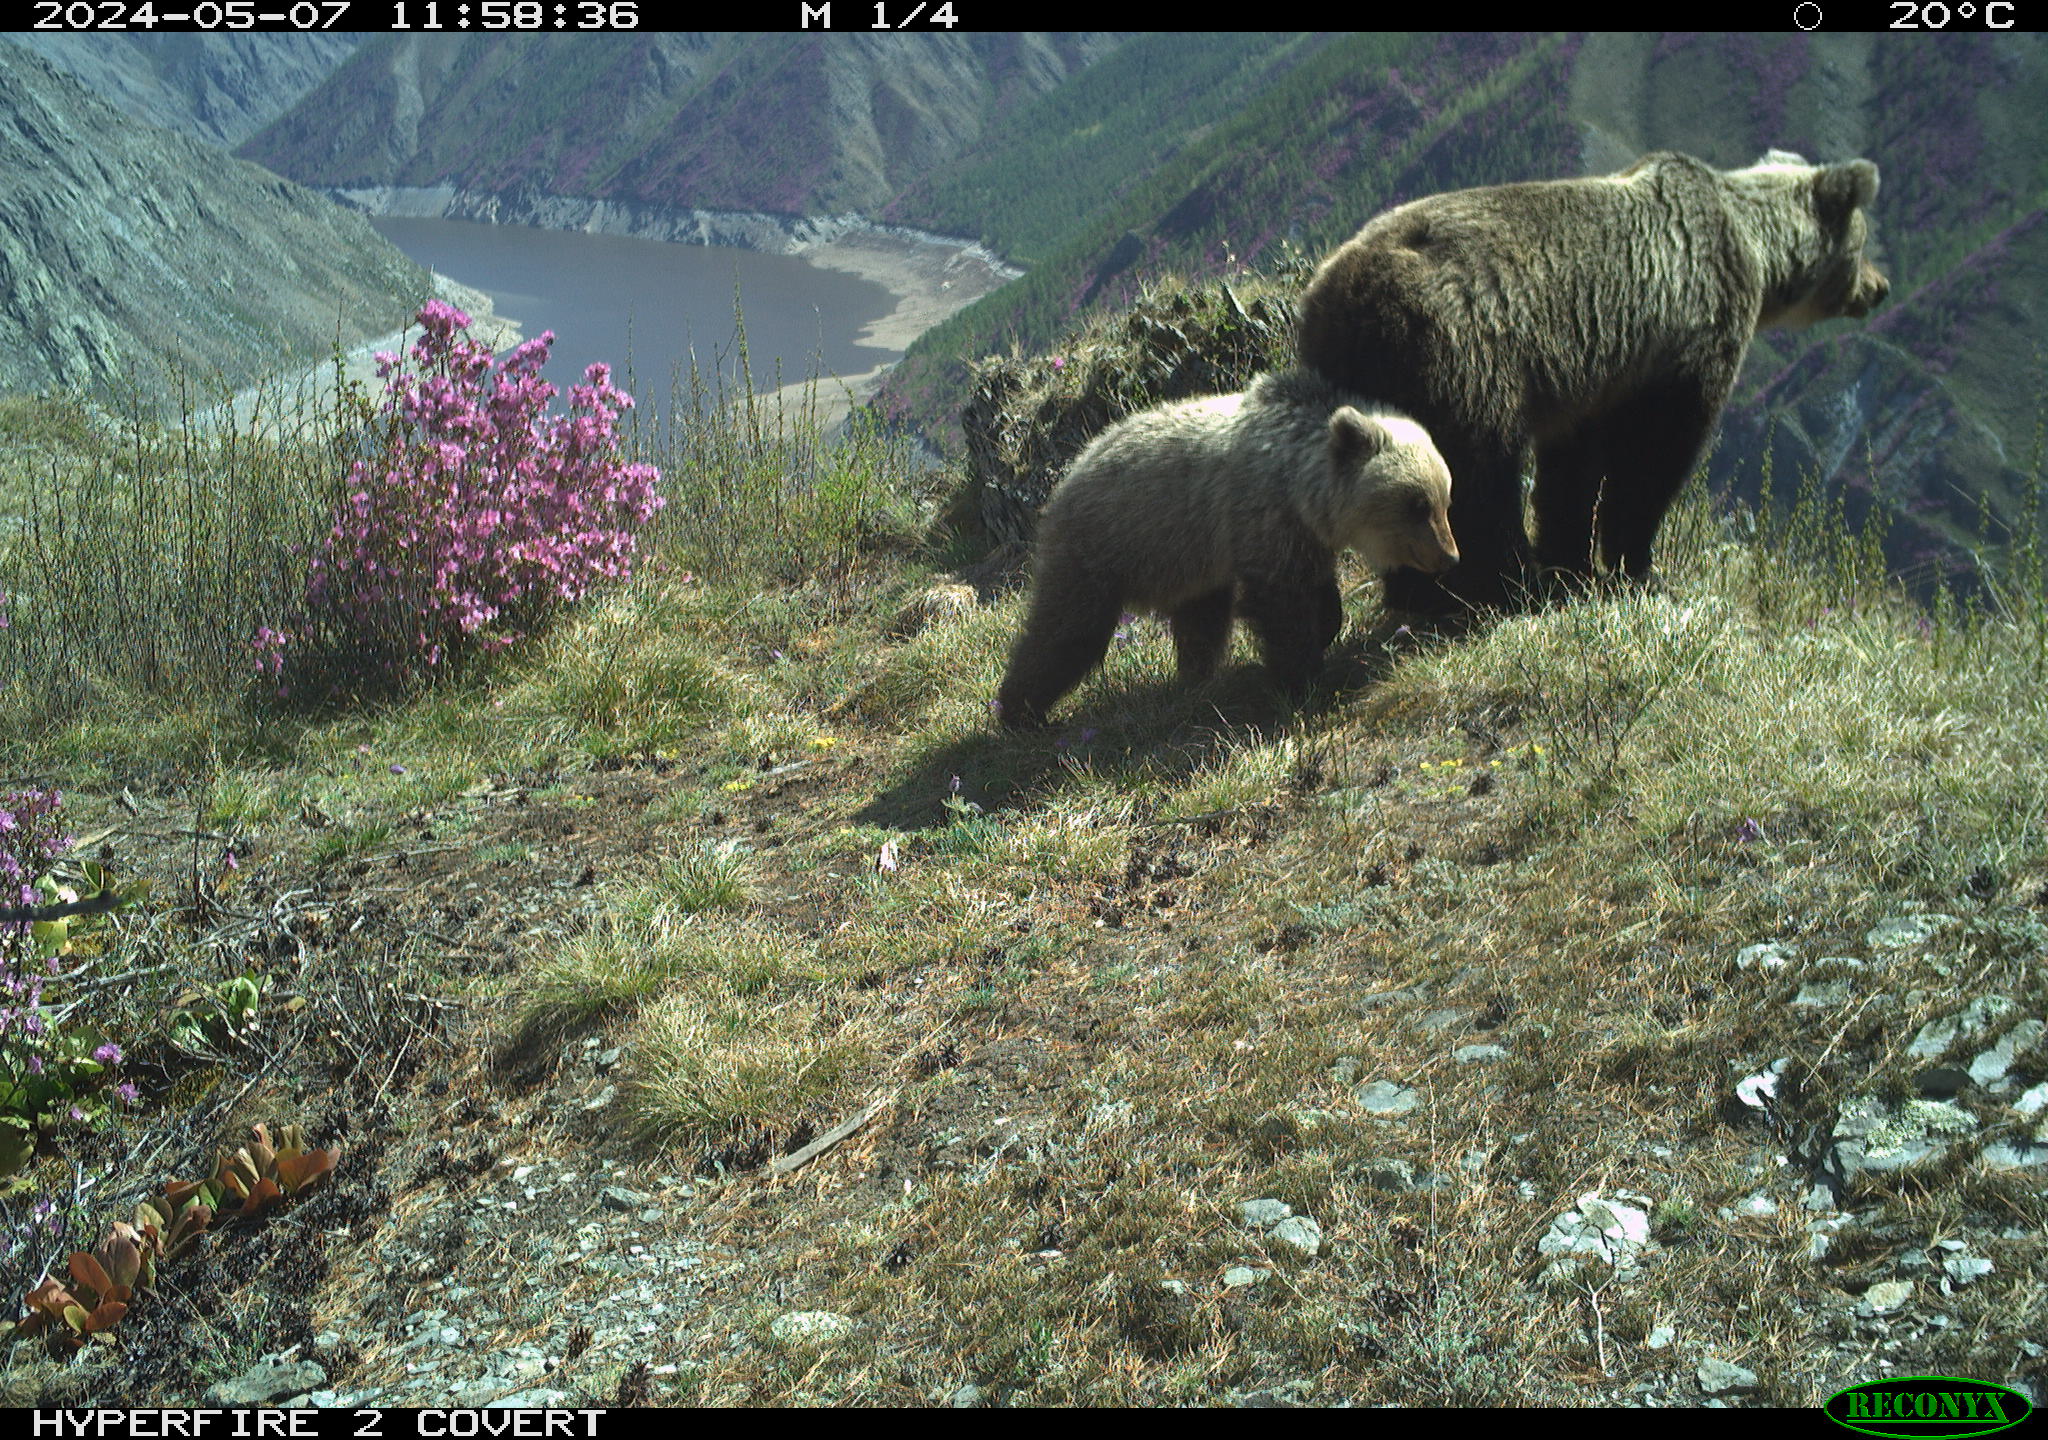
[[1838, 189], [1355, 437]]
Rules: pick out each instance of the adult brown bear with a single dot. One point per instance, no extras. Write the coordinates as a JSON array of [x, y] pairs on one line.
[[1234, 504], [1600, 321]]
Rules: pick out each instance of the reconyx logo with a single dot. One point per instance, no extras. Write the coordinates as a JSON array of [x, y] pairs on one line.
[[1928, 1405]]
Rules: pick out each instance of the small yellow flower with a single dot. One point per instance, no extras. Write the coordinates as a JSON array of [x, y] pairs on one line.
[[823, 742]]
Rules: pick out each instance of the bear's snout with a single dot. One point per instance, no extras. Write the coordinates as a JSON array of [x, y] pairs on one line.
[[1435, 551]]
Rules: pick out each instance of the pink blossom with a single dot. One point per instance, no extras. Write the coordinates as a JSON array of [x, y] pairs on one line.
[[480, 514]]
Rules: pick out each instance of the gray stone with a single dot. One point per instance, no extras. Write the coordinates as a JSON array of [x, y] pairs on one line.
[[967, 1397], [814, 1327], [269, 1379], [1903, 930], [2034, 1101], [1970, 1022], [2020, 1155], [1820, 993], [1660, 1337], [1264, 1214], [1870, 1135], [1238, 1276], [618, 1197], [1479, 1054], [1760, 1090], [1991, 1065], [1719, 1377], [1964, 1269], [1442, 1020], [1770, 955], [1885, 1297], [1601, 1230], [1298, 1233], [1345, 1071], [1384, 1097]]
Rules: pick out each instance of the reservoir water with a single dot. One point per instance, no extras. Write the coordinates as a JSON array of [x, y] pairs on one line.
[[621, 299]]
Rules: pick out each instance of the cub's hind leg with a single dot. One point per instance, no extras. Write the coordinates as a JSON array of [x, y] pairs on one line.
[[1065, 636]]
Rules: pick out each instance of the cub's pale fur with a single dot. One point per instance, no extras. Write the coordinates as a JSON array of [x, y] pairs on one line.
[[1235, 503], [1600, 321]]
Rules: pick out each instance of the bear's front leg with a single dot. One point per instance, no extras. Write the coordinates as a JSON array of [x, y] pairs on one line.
[[1201, 633], [1288, 617], [1658, 437], [1330, 613]]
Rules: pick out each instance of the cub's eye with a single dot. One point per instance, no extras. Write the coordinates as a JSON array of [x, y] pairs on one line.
[[1418, 508]]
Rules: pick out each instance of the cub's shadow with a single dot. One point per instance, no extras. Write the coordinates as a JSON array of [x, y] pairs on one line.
[[1160, 731]]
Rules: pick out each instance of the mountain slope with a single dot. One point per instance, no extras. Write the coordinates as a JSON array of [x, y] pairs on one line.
[[756, 122], [214, 87], [123, 244]]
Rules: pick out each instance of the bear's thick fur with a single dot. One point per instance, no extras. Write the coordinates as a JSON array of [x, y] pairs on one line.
[[1234, 503], [1600, 321]]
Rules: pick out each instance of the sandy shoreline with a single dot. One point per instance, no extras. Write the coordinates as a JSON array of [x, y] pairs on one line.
[[929, 281]]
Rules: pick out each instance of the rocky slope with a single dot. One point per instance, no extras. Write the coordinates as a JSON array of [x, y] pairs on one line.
[[125, 245], [217, 88], [739, 122]]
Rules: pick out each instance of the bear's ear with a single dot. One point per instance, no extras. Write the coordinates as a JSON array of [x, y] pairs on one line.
[[1839, 189], [1355, 438]]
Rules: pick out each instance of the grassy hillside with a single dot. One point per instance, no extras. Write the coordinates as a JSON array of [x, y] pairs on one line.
[[713, 960]]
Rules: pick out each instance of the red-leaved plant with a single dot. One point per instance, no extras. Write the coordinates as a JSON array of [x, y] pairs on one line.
[[479, 515]]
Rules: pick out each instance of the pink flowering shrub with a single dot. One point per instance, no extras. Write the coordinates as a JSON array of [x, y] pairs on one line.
[[479, 515]]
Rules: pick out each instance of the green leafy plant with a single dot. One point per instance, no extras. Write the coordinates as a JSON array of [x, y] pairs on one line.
[[206, 1022]]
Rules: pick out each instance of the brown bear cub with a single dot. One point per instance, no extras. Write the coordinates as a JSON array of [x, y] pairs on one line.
[[1234, 503], [1600, 321]]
